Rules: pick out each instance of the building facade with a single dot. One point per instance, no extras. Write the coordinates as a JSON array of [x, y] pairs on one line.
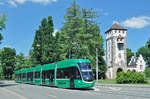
[[116, 58], [137, 64]]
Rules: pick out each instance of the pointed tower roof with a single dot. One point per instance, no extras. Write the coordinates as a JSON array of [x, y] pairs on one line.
[[115, 27]]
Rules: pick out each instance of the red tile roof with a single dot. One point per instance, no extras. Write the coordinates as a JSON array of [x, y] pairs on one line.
[[116, 27]]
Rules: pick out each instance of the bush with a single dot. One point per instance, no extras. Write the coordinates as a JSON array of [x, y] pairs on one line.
[[130, 77], [147, 72]]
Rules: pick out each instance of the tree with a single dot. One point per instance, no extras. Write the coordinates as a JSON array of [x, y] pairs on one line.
[[8, 61], [28, 62], [36, 52], [145, 52], [48, 41], [68, 36], [129, 55], [19, 61], [2, 25], [81, 33], [44, 41], [147, 72]]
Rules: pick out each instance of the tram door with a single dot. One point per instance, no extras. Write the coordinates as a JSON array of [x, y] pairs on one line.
[[72, 76], [43, 77], [51, 77], [27, 77], [31, 75]]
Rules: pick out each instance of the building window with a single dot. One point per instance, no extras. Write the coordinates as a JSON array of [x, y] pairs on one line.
[[120, 39], [120, 46], [141, 66]]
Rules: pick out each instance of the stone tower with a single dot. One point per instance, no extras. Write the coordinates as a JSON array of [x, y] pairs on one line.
[[115, 50]]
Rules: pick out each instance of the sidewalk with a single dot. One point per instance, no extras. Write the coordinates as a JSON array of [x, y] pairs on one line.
[[123, 85]]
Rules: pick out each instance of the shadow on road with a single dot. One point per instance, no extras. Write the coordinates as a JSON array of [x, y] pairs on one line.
[[3, 84], [82, 89]]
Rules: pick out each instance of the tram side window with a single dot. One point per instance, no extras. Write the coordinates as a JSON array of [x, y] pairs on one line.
[[45, 74], [16, 75], [28, 75], [24, 75], [74, 73], [37, 74], [19, 76], [60, 73], [67, 73], [51, 74]]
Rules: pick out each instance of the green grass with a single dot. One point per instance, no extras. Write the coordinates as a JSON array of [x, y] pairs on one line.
[[107, 81], [114, 82]]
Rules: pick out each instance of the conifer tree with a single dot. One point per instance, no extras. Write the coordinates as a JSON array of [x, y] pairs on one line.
[[80, 26], [43, 45]]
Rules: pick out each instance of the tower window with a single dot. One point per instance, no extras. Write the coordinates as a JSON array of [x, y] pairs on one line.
[[121, 46], [141, 67]]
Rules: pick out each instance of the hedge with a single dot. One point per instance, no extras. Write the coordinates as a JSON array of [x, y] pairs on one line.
[[130, 77]]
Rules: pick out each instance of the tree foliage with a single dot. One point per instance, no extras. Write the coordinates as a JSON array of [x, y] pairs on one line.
[[80, 36], [8, 61], [147, 72], [129, 55], [145, 52], [43, 45], [2, 25], [19, 61]]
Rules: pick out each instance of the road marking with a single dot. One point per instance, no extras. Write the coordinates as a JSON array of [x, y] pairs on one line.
[[114, 89], [52, 95], [96, 89], [12, 92]]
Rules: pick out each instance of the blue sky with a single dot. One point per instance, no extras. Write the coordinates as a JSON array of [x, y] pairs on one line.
[[24, 17]]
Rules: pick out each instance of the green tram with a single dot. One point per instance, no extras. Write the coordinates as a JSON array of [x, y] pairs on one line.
[[72, 73]]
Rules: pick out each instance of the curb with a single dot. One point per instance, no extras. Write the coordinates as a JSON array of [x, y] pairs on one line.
[[122, 85]]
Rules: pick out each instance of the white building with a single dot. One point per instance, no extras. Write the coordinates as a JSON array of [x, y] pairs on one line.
[[115, 50], [137, 64]]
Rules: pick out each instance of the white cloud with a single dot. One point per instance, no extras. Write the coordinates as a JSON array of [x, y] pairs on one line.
[[20, 1], [2, 3], [12, 3], [102, 12], [136, 22], [16, 2], [105, 13], [8, 46], [41, 1], [54, 0]]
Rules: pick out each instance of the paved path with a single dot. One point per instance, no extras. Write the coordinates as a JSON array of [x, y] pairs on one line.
[[11, 90]]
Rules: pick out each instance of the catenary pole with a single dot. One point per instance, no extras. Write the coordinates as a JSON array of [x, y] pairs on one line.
[[97, 65]]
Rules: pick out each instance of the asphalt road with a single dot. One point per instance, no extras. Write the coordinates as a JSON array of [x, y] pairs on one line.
[[12, 90]]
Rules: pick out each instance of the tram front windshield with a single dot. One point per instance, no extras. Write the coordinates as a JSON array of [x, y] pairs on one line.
[[86, 71]]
